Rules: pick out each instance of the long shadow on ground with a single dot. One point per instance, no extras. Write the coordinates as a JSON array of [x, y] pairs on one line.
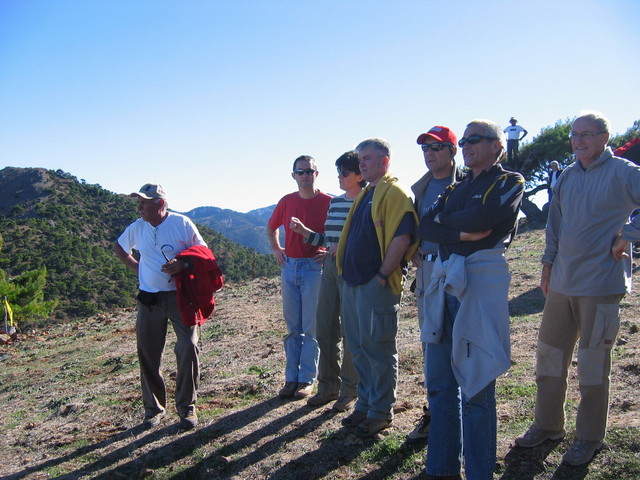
[[163, 456], [527, 463], [527, 303], [338, 450], [185, 445], [396, 461], [217, 465], [251, 447], [129, 433]]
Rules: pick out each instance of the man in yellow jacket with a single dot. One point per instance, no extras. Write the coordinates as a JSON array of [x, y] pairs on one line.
[[377, 242]]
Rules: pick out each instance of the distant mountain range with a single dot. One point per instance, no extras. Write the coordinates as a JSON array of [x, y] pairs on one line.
[[49, 219], [248, 229]]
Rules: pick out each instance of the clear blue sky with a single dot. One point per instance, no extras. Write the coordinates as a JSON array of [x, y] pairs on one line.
[[215, 99]]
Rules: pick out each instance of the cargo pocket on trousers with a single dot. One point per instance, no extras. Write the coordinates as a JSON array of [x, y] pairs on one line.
[[605, 326], [592, 360], [384, 324]]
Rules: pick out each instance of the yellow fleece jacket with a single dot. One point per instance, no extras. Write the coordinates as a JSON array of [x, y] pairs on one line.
[[391, 201]]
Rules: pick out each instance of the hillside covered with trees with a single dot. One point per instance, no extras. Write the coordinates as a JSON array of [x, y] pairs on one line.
[[243, 228], [62, 230], [57, 233]]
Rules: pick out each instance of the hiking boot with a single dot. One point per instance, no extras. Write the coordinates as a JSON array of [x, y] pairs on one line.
[[354, 419], [582, 451], [288, 390], [421, 431], [320, 399], [344, 403], [536, 436], [189, 421], [303, 391], [370, 426], [153, 420]]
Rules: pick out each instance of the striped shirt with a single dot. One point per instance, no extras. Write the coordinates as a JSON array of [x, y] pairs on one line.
[[338, 211]]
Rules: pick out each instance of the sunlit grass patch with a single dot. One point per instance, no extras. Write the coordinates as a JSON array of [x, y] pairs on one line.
[[512, 389], [393, 455]]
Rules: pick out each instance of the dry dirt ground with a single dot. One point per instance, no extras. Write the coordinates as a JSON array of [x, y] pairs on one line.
[[71, 403]]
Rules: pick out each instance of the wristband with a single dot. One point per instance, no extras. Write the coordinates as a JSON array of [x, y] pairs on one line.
[[382, 275]]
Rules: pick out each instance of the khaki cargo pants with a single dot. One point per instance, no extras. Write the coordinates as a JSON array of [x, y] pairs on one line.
[[595, 322]]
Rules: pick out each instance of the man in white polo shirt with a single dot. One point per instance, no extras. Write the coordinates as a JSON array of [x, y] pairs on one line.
[[159, 235], [513, 132]]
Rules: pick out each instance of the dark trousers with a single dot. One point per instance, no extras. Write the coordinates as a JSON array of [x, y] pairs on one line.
[[151, 334], [512, 151]]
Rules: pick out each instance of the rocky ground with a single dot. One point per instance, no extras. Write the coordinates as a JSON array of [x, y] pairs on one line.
[[71, 403]]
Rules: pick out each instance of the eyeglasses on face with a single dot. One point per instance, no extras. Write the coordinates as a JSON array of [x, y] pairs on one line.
[[304, 171], [435, 146], [583, 135], [166, 248], [344, 172], [473, 139]]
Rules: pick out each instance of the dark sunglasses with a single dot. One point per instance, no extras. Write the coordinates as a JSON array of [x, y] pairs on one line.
[[473, 139], [304, 171], [344, 172], [435, 146]]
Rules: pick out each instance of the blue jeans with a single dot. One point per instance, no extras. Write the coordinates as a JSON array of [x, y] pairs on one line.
[[300, 289], [458, 424]]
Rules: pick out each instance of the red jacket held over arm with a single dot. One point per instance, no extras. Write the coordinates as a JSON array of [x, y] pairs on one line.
[[196, 285]]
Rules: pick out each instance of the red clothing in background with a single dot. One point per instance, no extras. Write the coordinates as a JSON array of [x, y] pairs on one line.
[[311, 211]]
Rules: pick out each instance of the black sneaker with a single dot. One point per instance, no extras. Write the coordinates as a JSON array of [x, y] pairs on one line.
[[355, 419], [288, 390]]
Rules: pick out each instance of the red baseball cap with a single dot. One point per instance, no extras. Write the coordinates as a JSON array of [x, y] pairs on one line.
[[441, 134]]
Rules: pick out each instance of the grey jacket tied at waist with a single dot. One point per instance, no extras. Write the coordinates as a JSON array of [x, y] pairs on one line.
[[480, 339]]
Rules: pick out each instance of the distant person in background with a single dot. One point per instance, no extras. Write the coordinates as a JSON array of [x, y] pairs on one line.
[[466, 324], [337, 380], [586, 271], [554, 173], [301, 268], [378, 240], [514, 133], [159, 236], [439, 146]]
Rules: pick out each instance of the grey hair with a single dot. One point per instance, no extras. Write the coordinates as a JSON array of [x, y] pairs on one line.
[[380, 144], [598, 118], [492, 130], [166, 203]]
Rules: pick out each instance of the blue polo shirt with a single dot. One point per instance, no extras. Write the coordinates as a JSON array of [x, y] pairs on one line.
[[362, 258]]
